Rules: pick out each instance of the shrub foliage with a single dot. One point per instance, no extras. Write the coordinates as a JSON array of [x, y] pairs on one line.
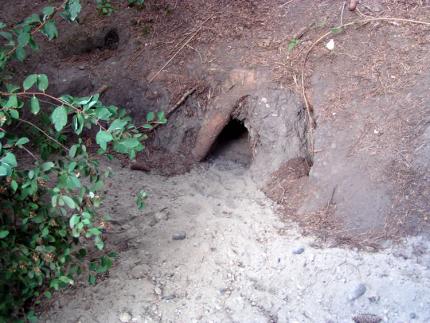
[[49, 181]]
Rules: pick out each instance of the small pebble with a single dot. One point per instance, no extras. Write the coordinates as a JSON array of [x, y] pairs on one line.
[[367, 318], [169, 297], [179, 235], [298, 250], [412, 316], [125, 317], [358, 291]]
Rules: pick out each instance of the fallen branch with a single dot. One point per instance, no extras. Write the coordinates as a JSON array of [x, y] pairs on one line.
[[177, 105]]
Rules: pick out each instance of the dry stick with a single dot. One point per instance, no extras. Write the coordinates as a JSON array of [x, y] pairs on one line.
[[341, 13], [177, 105], [284, 4], [180, 49], [364, 21]]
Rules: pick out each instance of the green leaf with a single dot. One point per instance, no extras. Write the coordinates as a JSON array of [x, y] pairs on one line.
[[47, 166], [42, 82], [12, 102], [127, 145], [34, 105], [50, 30], [33, 19], [94, 232], [69, 201], [48, 294], [103, 113], [150, 116], [99, 243], [47, 11], [336, 30], [14, 114], [22, 141], [92, 279], [72, 151], [117, 124], [72, 10], [29, 81], [292, 44], [4, 234], [161, 116], [75, 219], [31, 317], [2, 25], [102, 138], [5, 170], [78, 123], [9, 159], [23, 39], [65, 280], [8, 36], [11, 88], [14, 185], [20, 53], [59, 117]]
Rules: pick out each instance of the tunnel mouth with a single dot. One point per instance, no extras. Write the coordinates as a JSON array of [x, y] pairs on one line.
[[232, 145], [111, 39]]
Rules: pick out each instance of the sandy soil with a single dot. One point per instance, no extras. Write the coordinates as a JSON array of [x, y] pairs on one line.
[[238, 262]]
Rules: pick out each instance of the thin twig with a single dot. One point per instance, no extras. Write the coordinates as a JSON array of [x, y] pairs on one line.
[[177, 105], [284, 4], [180, 49], [341, 13], [45, 133], [181, 100], [29, 152]]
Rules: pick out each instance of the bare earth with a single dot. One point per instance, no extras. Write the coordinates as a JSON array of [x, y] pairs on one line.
[[237, 262]]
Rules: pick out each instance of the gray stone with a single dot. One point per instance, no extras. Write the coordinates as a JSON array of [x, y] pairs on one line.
[[367, 318], [169, 297], [358, 291], [412, 316], [298, 250], [125, 317], [181, 235]]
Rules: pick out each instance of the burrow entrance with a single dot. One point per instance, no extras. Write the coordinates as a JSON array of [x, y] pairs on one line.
[[232, 144]]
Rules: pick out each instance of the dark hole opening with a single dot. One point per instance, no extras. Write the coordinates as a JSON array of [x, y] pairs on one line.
[[232, 144], [111, 40]]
